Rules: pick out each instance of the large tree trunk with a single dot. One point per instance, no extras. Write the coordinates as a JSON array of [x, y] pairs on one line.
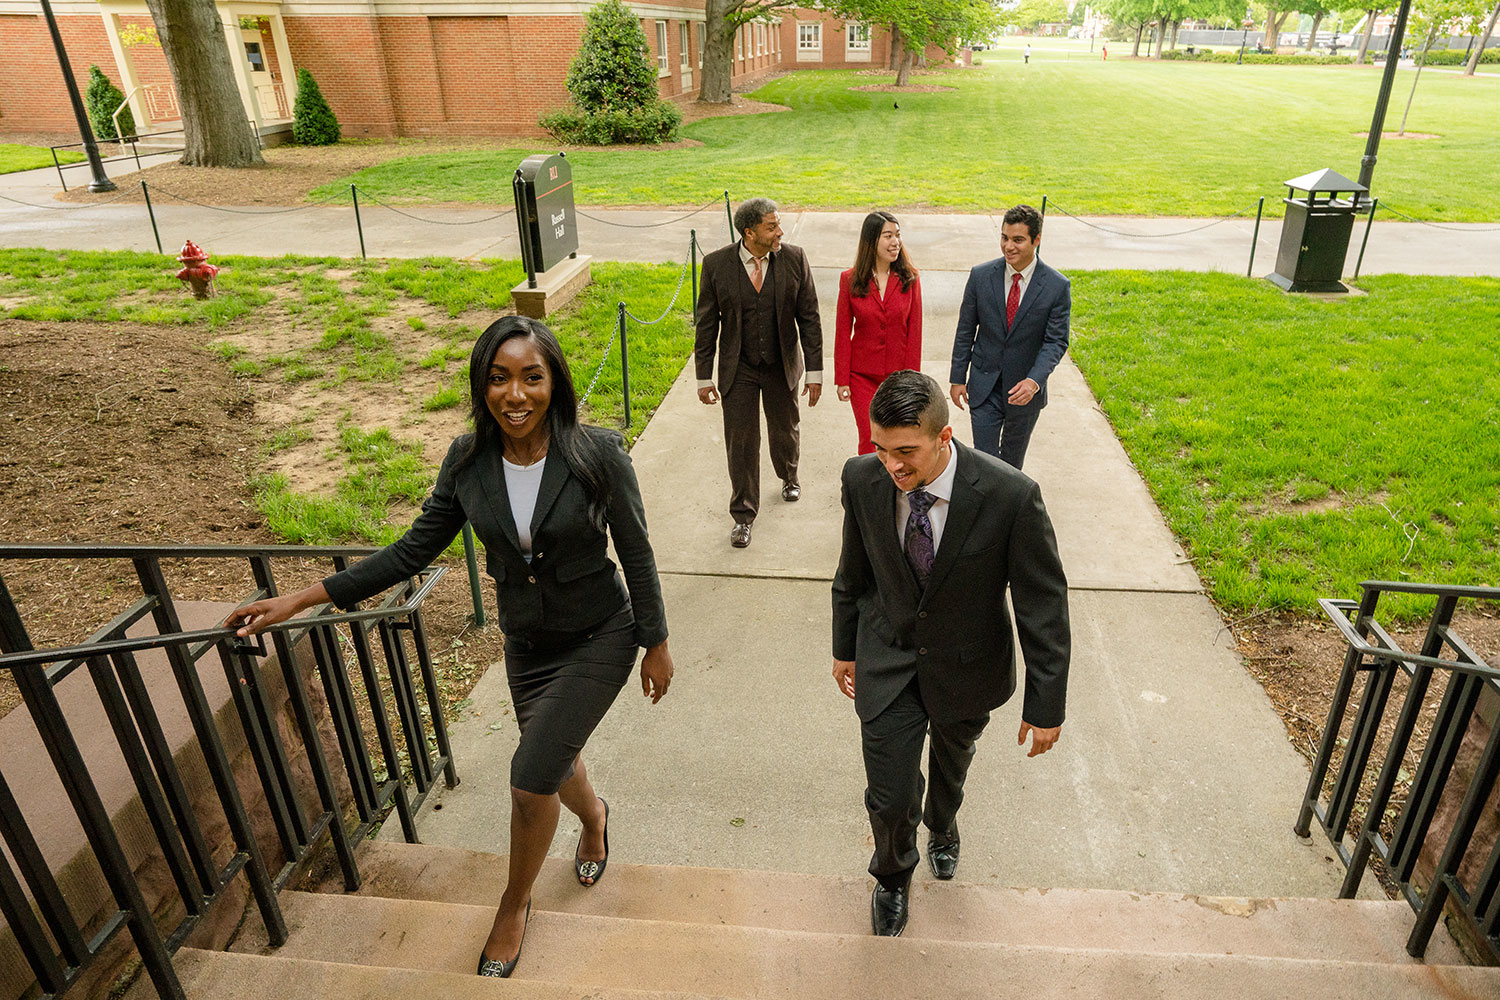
[[1175, 26], [1312, 36], [216, 131], [1364, 40], [903, 72], [718, 54], [897, 44], [1274, 20], [1484, 39], [1135, 50]]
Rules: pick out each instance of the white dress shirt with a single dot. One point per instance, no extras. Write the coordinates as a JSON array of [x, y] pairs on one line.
[[748, 260], [942, 489], [523, 483], [1026, 274]]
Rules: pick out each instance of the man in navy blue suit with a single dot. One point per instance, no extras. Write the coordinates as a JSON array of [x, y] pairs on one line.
[[1012, 332]]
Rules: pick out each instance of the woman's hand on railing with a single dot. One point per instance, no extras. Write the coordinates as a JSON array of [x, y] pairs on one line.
[[656, 672], [258, 615]]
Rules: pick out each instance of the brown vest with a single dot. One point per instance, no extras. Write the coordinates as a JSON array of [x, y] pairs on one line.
[[760, 340]]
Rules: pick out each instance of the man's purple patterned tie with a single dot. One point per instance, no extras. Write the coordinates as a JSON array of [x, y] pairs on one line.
[[918, 540]]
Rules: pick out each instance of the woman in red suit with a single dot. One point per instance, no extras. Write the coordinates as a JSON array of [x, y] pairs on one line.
[[879, 319]]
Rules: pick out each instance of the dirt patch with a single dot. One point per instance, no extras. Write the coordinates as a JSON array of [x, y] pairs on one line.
[[1401, 135], [1333, 501], [696, 111], [126, 433], [910, 88]]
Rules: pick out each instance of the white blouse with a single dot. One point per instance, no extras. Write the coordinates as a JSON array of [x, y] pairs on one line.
[[523, 483]]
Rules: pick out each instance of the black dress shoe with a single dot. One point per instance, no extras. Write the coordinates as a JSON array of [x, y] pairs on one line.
[[739, 535], [592, 870], [943, 858], [791, 492], [491, 968], [888, 911]]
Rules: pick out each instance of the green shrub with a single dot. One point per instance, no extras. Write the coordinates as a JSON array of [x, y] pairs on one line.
[[313, 121], [102, 98], [1449, 57], [1278, 59], [614, 68], [656, 122]]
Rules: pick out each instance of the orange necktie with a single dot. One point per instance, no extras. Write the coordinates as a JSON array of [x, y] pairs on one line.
[[757, 276]]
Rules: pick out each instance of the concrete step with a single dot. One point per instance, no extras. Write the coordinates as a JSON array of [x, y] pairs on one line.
[[617, 953], [1352, 930], [217, 975]]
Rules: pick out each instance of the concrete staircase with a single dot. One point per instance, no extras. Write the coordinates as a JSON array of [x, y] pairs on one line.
[[416, 927]]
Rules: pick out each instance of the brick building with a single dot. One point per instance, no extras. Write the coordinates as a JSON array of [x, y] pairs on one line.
[[393, 68]]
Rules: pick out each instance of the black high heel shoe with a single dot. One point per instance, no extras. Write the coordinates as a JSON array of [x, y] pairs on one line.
[[493, 968], [592, 870]]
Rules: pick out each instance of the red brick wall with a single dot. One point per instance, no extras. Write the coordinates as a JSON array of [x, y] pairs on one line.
[[835, 45], [33, 97], [347, 59]]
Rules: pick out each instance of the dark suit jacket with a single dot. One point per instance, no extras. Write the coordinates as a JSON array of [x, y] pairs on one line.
[[954, 636], [570, 584], [718, 316], [987, 353]]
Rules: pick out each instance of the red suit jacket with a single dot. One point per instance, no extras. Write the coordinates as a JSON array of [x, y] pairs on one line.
[[876, 336]]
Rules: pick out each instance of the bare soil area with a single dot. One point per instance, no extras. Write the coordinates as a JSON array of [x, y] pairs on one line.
[[910, 88], [126, 433]]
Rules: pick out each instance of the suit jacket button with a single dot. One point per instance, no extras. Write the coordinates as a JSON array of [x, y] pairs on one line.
[[921, 614], [922, 651], [531, 579], [537, 556]]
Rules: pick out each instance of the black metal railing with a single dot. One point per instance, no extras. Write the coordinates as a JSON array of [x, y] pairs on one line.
[[50, 934], [1444, 658]]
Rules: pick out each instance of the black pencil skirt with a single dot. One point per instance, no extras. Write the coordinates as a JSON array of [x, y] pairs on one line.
[[561, 684]]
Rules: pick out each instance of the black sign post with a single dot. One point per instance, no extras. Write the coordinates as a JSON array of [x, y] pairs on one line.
[[544, 212]]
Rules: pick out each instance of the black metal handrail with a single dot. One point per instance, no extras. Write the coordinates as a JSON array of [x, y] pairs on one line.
[[1372, 651], [49, 933]]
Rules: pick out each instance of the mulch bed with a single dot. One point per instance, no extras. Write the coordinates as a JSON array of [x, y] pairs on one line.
[[910, 88]]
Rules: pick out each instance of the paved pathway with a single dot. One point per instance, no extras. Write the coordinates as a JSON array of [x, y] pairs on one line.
[[938, 241], [1173, 773]]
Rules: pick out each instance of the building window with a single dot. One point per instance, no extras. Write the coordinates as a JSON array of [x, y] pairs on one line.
[[702, 35], [809, 41], [858, 37], [256, 57], [760, 39], [662, 68], [739, 43], [684, 59]]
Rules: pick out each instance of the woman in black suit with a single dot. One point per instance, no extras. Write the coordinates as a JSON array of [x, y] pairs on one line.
[[543, 493]]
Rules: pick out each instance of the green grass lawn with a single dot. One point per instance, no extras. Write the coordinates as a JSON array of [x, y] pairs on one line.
[[1117, 137], [14, 157], [339, 313], [1298, 446]]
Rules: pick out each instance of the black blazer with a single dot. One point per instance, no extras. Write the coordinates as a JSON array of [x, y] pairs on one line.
[[955, 635], [570, 584], [718, 315], [987, 353]]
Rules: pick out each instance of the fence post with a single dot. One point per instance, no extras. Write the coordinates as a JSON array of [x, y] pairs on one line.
[[624, 367], [473, 563], [730, 216], [1358, 263], [693, 264], [354, 192], [1044, 207], [1255, 237], [152, 213], [64, 181]]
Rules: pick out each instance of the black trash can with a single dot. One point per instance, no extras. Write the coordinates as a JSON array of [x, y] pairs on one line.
[[1315, 233]]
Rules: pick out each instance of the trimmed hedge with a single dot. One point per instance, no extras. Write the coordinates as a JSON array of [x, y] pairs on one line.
[[313, 121], [102, 97], [1450, 57], [656, 122]]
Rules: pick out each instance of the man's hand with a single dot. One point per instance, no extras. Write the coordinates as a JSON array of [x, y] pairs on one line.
[[843, 392], [959, 393], [813, 391], [843, 676], [708, 395], [1022, 391], [1042, 740]]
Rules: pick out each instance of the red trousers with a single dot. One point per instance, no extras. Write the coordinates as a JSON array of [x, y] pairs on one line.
[[861, 391]]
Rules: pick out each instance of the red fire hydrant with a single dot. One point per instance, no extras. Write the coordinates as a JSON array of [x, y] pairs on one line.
[[196, 270]]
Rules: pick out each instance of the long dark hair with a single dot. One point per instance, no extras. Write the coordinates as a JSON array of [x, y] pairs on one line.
[[568, 439], [864, 257]]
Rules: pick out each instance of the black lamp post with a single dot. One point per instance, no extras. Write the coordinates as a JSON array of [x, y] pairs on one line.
[[90, 147], [1392, 57]]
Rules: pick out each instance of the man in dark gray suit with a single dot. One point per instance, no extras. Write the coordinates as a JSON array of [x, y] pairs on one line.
[[758, 310], [1012, 332], [934, 532]]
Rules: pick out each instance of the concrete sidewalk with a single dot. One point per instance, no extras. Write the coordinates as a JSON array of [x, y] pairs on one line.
[[937, 241], [1173, 772]]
